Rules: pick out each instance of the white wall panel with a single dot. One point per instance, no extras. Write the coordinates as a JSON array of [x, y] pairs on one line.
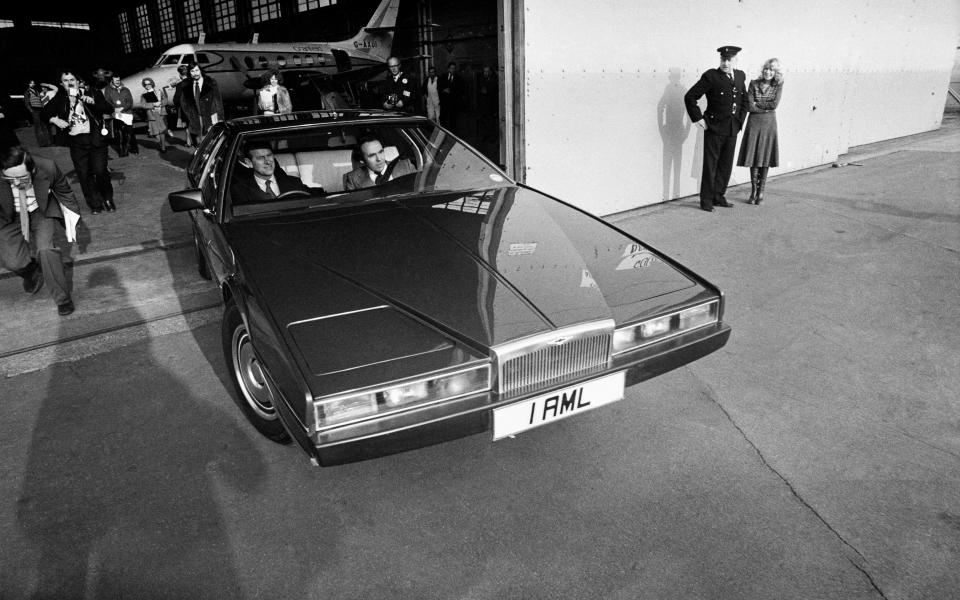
[[605, 123]]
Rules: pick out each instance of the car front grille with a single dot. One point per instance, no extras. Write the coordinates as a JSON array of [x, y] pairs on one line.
[[549, 359]]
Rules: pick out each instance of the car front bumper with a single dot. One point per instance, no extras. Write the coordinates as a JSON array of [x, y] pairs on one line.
[[443, 422]]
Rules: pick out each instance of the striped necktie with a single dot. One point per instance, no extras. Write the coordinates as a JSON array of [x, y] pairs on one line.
[[24, 215]]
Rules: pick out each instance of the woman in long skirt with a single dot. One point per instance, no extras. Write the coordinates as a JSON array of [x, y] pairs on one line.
[[758, 149]]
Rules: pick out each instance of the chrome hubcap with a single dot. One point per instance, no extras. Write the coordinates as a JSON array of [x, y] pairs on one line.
[[253, 383]]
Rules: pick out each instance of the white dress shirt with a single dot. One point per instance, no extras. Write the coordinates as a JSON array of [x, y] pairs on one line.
[[31, 198]]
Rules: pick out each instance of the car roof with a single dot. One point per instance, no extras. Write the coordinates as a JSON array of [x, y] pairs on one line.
[[313, 117]]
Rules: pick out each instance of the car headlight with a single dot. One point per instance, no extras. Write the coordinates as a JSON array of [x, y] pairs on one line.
[[446, 386], [634, 336]]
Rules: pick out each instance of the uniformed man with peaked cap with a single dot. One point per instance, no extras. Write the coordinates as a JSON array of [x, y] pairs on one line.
[[726, 92]]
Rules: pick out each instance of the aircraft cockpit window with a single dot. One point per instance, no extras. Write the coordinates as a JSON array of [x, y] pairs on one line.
[[263, 62], [308, 59], [187, 59], [167, 60], [296, 59], [202, 58], [281, 61], [248, 61]]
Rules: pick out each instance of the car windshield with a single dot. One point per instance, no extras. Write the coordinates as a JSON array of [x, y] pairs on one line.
[[342, 164]]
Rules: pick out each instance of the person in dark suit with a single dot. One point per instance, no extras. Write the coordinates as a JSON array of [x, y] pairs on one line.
[[402, 94], [451, 97], [263, 181], [374, 168], [40, 185], [201, 102], [726, 91]]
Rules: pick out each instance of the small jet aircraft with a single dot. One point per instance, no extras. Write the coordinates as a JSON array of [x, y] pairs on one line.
[[237, 68]]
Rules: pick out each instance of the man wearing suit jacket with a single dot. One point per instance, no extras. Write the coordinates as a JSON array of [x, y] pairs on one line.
[[451, 97], [263, 181], [38, 184], [201, 102], [375, 169], [726, 91]]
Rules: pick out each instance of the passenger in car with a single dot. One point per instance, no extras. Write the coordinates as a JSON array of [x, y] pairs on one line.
[[374, 168], [263, 181]]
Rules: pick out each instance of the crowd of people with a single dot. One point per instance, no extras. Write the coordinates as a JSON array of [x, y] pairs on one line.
[[36, 197]]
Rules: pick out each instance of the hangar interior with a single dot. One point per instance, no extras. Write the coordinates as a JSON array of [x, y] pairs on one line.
[[132, 35]]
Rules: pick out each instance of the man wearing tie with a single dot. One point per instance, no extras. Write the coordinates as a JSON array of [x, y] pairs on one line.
[[201, 102], [451, 95], [726, 91], [34, 195], [262, 181], [374, 168]]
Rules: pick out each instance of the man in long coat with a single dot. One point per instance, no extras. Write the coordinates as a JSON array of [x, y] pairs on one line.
[[200, 101]]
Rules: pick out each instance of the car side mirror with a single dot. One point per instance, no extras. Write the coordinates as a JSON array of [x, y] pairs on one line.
[[190, 199]]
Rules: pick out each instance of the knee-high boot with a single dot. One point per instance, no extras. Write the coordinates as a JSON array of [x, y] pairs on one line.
[[761, 183], [754, 174]]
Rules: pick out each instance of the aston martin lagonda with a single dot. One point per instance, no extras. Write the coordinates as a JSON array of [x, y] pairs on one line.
[[386, 287]]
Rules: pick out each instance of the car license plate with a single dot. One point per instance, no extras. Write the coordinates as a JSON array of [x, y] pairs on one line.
[[514, 418]]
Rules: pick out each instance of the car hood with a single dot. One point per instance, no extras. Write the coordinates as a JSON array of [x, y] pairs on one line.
[[479, 268]]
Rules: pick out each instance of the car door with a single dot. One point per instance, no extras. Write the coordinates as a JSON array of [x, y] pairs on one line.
[[206, 173]]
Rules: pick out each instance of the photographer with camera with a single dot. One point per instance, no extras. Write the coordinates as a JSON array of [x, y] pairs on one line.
[[402, 89], [77, 112]]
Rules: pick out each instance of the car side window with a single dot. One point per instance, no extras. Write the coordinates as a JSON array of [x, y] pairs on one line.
[[199, 160], [212, 173]]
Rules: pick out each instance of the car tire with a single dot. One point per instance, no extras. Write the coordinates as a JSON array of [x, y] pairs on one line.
[[202, 268], [253, 393]]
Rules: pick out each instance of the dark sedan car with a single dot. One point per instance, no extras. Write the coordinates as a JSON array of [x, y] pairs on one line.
[[387, 287]]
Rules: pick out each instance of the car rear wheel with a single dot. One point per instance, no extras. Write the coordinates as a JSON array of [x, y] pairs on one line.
[[253, 392], [202, 267]]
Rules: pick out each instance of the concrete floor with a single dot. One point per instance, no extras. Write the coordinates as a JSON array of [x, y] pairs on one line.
[[816, 456]]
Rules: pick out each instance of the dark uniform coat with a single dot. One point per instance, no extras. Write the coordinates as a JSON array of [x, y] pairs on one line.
[[724, 117], [726, 101], [405, 89]]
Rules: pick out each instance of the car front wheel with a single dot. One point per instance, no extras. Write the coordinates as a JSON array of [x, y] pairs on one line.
[[253, 392]]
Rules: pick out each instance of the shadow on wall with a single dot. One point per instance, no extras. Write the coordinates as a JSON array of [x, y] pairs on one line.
[[118, 498], [674, 126]]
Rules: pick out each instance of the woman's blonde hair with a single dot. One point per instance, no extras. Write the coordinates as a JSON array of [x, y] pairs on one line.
[[772, 63]]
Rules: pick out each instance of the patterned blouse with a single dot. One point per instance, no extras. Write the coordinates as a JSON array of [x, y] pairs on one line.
[[760, 101]]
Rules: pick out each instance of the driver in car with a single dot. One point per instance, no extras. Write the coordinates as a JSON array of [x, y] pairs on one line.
[[374, 168], [263, 181]]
